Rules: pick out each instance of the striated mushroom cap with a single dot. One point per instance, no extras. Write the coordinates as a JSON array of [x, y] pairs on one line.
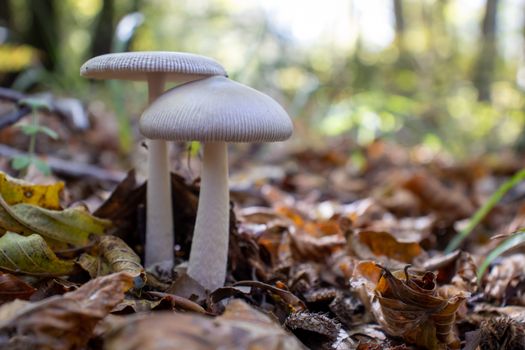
[[175, 66], [215, 109]]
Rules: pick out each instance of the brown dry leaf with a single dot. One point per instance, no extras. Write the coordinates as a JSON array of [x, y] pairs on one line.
[[61, 322], [445, 201], [11, 287], [504, 277], [384, 244], [112, 254], [240, 327], [413, 308]]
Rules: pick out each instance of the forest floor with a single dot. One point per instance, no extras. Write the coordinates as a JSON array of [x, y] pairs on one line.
[[339, 248]]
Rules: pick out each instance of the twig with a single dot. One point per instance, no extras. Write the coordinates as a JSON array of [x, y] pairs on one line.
[[14, 116], [69, 168], [11, 95]]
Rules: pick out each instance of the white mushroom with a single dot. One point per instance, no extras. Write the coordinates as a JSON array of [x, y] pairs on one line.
[[156, 68], [214, 111]]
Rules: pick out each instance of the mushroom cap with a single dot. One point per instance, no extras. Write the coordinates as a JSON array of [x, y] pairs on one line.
[[176, 66], [215, 109]]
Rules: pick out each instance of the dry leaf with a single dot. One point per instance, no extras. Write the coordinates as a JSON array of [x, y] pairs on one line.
[[11, 287], [240, 328], [62, 322], [111, 255], [433, 194], [16, 191], [384, 244], [413, 308]]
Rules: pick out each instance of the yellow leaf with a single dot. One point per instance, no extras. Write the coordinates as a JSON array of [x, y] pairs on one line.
[[31, 255], [16, 191], [74, 225]]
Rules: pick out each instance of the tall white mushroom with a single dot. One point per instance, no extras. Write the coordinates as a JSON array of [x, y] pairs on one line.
[[156, 68], [214, 111]]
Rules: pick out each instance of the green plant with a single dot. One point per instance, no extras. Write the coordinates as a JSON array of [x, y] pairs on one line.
[[485, 209], [515, 240], [24, 161]]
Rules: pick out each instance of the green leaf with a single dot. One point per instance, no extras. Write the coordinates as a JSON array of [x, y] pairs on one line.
[[42, 166], [29, 129], [35, 103], [73, 225], [20, 162], [485, 209], [49, 132], [512, 242], [31, 255]]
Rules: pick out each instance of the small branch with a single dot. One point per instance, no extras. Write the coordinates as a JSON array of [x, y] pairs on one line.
[[11, 95], [14, 116], [72, 169]]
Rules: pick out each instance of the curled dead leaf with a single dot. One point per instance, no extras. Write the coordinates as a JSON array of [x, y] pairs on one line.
[[411, 306], [111, 255], [62, 322], [12, 287]]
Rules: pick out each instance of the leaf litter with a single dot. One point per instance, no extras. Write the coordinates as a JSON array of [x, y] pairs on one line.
[[322, 255]]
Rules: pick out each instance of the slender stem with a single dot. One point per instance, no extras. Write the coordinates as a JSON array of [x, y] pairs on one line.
[[485, 209], [159, 216], [209, 249], [32, 139]]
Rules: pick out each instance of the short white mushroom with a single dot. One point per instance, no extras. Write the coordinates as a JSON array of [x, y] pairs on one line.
[[156, 68], [214, 111]]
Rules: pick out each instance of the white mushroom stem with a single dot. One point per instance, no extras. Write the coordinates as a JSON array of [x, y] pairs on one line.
[[209, 249], [159, 216]]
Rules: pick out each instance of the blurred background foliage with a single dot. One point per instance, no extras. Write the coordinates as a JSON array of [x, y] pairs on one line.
[[446, 74]]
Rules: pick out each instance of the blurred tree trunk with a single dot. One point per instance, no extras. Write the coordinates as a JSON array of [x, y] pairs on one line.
[[399, 20], [42, 31], [5, 13], [486, 62], [104, 29]]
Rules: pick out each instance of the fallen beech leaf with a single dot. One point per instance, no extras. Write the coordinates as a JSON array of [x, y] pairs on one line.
[[31, 255], [311, 244], [62, 322], [74, 225], [433, 194], [111, 255], [11, 287], [499, 279], [16, 191], [95, 266], [122, 258], [240, 327], [384, 244], [414, 309]]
